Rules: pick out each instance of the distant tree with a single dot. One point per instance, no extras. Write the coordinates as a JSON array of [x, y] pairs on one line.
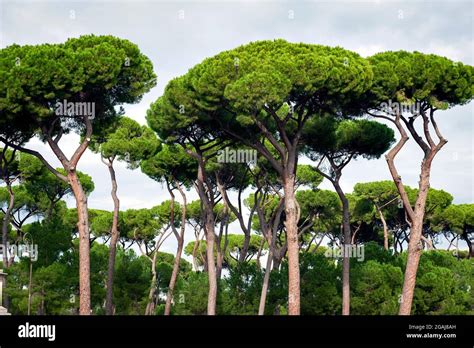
[[173, 166], [337, 143], [380, 194], [125, 140]]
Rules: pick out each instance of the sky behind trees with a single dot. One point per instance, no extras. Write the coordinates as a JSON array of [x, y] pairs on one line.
[[178, 35]]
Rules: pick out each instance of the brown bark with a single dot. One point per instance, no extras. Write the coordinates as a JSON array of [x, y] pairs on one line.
[[115, 235], [415, 215], [414, 245], [150, 307], [291, 224], [84, 243], [179, 251]]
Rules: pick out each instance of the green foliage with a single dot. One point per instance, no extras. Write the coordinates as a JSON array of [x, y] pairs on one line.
[[327, 136], [104, 70], [171, 163], [126, 140], [408, 77]]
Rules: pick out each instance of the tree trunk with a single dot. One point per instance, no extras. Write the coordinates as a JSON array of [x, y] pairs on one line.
[[115, 235], [174, 276], [245, 248], [6, 223], [84, 244], [385, 227], [177, 260], [291, 224], [470, 247], [265, 285], [414, 247], [150, 307], [346, 245], [211, 264], [210, 237]]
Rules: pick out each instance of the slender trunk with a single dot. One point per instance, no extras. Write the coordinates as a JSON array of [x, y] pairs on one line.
[[177, 260], [268, 269], [84, 244], [259, 253], [470, 247], [266, 281], [174, 277], [195, 250], [245, 248], [385, 227], [210, 237], [346, 245], [414, 246], [291, 224], [211, 264], [29, 286], [150, 307], [6, 223], [115, 235]]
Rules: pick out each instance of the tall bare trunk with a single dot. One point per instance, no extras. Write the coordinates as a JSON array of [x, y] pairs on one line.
[[84, 244], [346, 245], [179, 252], [414, 245], [150, 307], [115, 235], [385, 227], [209, 230], [265, 285], [291, 224], [6, 223]]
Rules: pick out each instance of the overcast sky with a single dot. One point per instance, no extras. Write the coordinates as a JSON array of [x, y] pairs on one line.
[[177, 35]]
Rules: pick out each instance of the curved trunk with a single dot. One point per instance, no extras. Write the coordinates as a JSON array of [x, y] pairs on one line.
[[414, 245], [470, 247], [115, 235], [210, 237], [150, 307], [177, 260], [385, 227], [174, 277], [84, 244], [245, 248]]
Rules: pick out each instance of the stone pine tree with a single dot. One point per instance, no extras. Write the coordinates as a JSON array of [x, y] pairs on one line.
[[173, 116], [173, 166], [265, 92], [409, 89], [337, 143], [380, 194], [50, 90], [124, 140]]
